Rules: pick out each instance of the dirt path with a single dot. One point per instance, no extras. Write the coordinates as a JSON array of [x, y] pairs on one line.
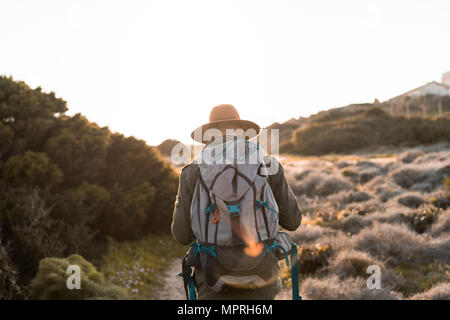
[[172, 288]]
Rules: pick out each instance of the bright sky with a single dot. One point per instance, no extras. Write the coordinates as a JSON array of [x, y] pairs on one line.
[[154, 69]]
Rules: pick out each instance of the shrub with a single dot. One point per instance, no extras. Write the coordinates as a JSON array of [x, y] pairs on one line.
[[350, 174], [303, 174], [411, 279], [387, 191], [442, 173], [362, 172], [141, 184], [31, 113], [365, 207], [51, 281], [307, 185], [165, 148], [333, 288], [358, 196], [447, 184], [29, 228], [392, 215], [422, 187], [342, 164], [411, 200], [312, 259], [440, 148], [410, 156], [320, 184], [10, 287], [367, 175], [422, 219], [442, 224], [308, 233], [406, 177], [424, 177], [352, 263], [31, 169], [353, 224], [441, 200], [440, 291], [395, 244], [74, 212]]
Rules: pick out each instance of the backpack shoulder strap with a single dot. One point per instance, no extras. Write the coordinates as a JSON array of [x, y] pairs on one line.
[[190, 174], [212, 207]]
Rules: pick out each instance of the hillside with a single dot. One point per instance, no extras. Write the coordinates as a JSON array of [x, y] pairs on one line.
[[357, 126], [287, 128]]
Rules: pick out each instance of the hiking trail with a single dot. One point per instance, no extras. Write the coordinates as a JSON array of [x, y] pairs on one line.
[[172, 285]]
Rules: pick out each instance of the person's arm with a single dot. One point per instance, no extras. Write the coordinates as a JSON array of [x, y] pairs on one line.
[[181, 224], [290, 212]]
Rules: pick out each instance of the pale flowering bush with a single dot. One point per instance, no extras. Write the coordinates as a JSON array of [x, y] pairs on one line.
[[441, 291], [333, 288]]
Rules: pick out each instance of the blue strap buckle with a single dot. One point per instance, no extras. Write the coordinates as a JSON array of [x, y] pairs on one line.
[[209, 250], [266, 205], [233, 210]]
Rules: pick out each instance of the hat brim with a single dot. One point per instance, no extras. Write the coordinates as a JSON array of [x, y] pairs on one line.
[[226, 124]]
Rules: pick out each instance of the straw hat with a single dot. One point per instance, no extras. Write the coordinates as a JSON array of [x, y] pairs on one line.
[[222, 117]]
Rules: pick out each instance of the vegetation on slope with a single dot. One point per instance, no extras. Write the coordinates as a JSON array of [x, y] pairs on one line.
[[67, 184], [371, 128]]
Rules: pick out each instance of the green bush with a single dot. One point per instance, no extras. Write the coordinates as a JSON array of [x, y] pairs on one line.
[[422, 219], [27, 226], [142, 187], [66, 184], [50, 282], [312, 259], [32, 168]]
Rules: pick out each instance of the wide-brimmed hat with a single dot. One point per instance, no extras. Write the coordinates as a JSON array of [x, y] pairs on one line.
[[225, 116]]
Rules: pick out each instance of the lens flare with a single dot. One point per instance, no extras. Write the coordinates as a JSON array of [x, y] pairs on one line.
[[253, 249]]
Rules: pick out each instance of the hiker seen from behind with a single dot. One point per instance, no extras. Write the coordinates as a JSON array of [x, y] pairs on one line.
[[232, 200]]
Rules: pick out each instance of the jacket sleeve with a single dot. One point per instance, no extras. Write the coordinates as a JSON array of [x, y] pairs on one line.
[[181, 224], [290, 212]]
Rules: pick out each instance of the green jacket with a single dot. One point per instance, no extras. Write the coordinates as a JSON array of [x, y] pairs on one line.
[[290, 218]]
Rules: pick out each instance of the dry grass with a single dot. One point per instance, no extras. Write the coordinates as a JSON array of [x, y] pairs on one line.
[[387, 211]]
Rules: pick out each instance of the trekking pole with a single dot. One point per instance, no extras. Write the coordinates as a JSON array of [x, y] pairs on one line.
[[188, 280], [294, 273]]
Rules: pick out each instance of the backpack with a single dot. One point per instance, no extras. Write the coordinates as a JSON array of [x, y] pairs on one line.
[[234, 218]]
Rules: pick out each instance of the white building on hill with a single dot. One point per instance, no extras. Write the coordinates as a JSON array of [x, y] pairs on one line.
[[433, 88]]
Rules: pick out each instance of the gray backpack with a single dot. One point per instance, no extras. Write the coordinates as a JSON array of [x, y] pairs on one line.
[[234, 218]]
